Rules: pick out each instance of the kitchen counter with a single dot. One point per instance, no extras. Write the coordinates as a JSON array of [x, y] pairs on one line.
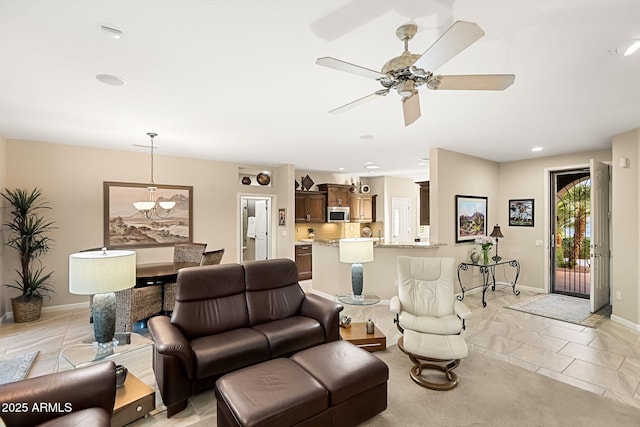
[[383, 244], [334, 277]]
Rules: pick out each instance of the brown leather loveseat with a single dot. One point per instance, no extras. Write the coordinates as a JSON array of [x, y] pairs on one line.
[[231, 316], [80, 397]]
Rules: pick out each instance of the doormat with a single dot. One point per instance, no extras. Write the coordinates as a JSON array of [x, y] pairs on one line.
[[565, 308], [16, 368]]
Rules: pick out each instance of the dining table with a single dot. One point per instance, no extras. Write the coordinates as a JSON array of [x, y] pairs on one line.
[[159, 273]]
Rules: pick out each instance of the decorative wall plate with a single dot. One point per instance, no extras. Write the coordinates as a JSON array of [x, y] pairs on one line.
[[263, 178], [365, 189], [366, 232]]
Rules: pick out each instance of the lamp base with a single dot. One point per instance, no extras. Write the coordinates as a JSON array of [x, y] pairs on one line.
[[356, 280], [104, 318]]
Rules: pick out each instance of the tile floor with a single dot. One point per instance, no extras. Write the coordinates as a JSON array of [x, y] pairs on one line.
[[605, 360]]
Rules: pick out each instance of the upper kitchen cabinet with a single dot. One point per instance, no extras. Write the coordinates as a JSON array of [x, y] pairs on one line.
[[362, 207], [311, 206], [425, 217], [337, 194]]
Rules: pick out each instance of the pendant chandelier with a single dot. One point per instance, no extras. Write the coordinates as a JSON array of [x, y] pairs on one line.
[[152, 207]]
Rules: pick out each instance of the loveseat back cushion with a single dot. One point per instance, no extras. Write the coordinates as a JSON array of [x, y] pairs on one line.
[[273, 292], [210, 300]]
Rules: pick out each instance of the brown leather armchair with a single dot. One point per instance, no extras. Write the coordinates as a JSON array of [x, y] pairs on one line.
[[80, 397]]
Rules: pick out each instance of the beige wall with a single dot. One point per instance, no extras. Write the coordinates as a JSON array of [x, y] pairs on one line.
[[625, 232], [528, 179], [71, 178]]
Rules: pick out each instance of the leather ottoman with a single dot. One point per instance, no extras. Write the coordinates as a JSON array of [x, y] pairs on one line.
[[331, 384], [356, 380]]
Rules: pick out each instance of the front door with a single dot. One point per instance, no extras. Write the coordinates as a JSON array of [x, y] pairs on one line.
[[599, 248]]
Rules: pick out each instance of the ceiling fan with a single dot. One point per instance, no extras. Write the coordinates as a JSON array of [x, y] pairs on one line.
[[407, 72]]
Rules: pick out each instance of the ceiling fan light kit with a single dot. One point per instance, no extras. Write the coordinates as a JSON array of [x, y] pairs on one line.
[[407, 72]]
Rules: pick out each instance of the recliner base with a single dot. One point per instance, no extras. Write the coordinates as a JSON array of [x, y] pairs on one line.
[[422, 363]]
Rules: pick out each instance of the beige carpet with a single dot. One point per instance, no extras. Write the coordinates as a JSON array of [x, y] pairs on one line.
[[562, 307], [494, 393]]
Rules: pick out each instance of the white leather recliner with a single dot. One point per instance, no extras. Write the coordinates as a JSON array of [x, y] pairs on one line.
[[430, 318]]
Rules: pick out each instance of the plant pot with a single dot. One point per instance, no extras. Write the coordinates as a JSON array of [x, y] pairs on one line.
[[26, 310]]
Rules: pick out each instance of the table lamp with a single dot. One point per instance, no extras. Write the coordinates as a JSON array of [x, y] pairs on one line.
[[496, 233], [101, 273], [355, 252]]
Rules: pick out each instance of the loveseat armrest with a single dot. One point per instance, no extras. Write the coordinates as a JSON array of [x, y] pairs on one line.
[[47, 397], [170, 341], [394, 305], [461, 310], [326, 312]]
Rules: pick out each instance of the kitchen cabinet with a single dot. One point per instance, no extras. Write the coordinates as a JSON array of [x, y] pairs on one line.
[[311, 206], [425, 216], [337, 194], [363, 207], [304, 258]]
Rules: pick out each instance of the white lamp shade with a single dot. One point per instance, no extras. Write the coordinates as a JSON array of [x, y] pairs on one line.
[[98, 272], [356, 250], [144, 206]]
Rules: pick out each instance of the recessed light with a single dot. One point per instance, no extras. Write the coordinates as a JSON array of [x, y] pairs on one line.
[[536, 149], [111, 80], [422, 164], [366, 137], [626, 48], [370, 165], [340, 169]]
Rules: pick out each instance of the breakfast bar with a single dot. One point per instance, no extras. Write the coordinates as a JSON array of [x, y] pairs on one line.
[[334, 277]]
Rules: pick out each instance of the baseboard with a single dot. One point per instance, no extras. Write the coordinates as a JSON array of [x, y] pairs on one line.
[[8, 317], [625, 323]]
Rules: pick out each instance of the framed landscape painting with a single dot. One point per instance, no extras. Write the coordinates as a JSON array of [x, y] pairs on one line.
[[521, 213], [471, 218], [126, 227]]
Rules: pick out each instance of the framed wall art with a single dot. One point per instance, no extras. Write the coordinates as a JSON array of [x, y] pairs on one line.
[[521, 213], [282, 217], [471, 218], [127, 227]]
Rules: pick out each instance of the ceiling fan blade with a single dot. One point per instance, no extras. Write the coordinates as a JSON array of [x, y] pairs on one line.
[[358, 102], [458, 37], [473, 82], [348, 67], [411, 108]]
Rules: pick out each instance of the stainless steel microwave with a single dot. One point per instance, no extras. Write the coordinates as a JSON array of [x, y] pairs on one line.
[[338, 214]]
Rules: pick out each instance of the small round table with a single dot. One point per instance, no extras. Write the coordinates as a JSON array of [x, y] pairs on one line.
[[364, 299]]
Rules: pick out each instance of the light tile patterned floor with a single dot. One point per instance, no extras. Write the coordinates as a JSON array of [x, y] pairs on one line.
[[605, 361]]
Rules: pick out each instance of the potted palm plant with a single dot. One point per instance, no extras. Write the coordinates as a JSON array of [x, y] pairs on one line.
[[28, 233]]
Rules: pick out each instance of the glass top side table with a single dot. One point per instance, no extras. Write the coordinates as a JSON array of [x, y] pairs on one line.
[[87, 353], [364, 299]]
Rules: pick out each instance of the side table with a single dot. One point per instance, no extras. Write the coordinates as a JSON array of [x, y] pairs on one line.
[[357, 334], [134, 400], [489, 276]]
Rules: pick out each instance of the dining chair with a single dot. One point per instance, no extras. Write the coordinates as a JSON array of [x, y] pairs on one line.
[[182, 252], [212, 257], [188, 252]]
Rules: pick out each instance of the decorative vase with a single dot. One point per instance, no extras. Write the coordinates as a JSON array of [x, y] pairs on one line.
[[121, 375], [475, 256], [485, 256]]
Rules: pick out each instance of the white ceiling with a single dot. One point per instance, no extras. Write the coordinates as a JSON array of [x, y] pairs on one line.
[[236, 80]]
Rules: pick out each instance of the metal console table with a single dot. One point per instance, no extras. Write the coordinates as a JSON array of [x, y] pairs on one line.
[[489, 276]]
